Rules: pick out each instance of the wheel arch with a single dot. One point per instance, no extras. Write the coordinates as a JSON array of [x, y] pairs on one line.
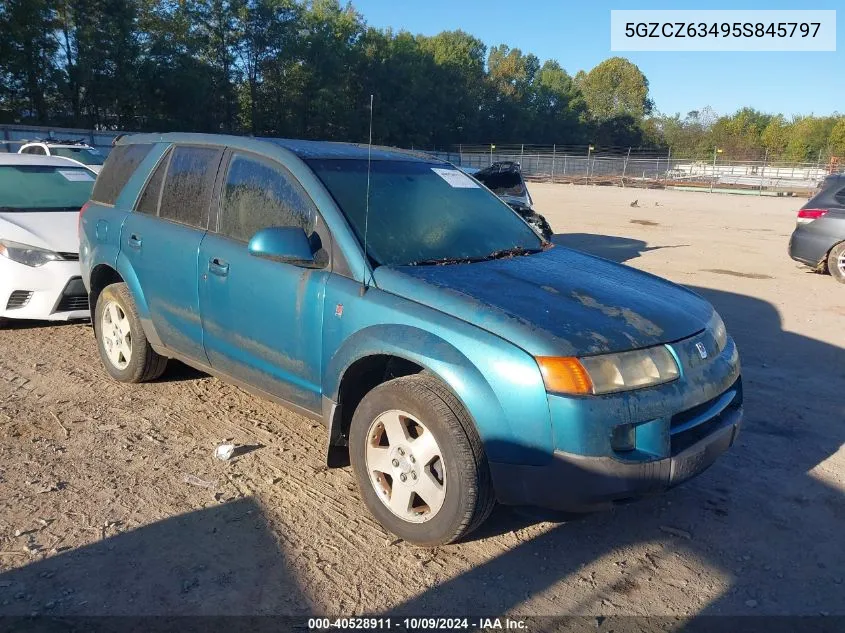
[[377, 354], [102, 275]]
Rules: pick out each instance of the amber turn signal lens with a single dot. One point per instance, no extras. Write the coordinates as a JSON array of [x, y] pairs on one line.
[[564, 375]]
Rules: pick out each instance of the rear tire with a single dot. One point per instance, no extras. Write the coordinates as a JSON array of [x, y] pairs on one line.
[[452, 457], [124, 350], [836, 262]]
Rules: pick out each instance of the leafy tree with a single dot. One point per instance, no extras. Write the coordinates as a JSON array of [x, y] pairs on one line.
[[614, 87]]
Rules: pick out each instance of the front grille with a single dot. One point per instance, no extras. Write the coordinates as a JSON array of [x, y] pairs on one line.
[[70, 257], [683, 435], [18, 299], [72, 303]]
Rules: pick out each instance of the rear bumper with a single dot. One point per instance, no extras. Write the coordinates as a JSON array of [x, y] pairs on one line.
[[810, 247], [578, 483]]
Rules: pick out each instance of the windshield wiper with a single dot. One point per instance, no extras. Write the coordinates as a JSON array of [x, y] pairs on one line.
[[515, 251], [443, 261]]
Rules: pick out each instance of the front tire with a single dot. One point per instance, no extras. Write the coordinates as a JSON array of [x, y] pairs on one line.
[[124, 350], [419, 462], [836, 262]]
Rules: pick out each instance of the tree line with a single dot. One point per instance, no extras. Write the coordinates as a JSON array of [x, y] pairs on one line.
[[306, 69]]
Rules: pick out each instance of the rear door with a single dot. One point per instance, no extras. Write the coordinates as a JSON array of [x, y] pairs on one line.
[[263, 320], [161, 240]]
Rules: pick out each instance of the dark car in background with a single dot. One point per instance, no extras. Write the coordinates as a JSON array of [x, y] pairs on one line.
[[506, 181], [819, 237]]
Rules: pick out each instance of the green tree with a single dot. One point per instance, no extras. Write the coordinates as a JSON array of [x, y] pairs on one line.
[[27, 50], [837, 139], [614, 87]]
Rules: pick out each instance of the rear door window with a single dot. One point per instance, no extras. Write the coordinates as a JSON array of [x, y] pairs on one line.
[[258, 194], [122, 162], [189, 184]]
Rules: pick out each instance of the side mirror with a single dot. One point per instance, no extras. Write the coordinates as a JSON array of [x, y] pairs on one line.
[[286, 244]]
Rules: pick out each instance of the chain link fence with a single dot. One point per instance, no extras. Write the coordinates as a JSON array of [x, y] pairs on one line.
[[568, 164], [622, 167]]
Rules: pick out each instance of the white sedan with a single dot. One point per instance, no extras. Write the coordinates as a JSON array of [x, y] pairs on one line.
[[40, 199]]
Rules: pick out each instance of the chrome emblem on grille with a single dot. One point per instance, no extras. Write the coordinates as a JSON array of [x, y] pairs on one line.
[[702, 351]]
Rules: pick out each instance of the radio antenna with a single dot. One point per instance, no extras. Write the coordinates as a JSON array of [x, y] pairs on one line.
[[367, 206]]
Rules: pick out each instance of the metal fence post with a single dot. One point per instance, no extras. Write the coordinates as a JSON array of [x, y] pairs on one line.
[[564, 164], [668, 164], [521, 154], [763, 171], [554, 151], [625, 166]]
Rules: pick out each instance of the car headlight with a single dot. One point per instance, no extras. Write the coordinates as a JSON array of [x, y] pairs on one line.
[[609, 373], [717, 328], [27, 255]]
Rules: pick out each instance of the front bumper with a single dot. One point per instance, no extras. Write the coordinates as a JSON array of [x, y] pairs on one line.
[[53, 292], [577, 483]]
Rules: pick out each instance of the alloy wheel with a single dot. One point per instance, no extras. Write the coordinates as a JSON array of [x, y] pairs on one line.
[[116, 335], [405, 466]]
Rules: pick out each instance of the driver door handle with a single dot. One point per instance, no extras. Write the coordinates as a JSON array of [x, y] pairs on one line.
[[217, 266], [135, 241]]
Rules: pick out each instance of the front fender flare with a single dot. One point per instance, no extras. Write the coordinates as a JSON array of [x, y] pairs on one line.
[[503, 441]]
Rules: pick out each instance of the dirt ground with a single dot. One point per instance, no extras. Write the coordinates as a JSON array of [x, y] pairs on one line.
[[111, 501]]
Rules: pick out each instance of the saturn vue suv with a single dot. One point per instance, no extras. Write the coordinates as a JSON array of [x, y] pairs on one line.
[[455, 357]]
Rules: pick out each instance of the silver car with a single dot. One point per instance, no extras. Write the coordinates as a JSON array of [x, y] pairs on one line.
[[819, 238]]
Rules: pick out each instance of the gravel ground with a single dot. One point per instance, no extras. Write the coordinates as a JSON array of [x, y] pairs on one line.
[[111, 502]]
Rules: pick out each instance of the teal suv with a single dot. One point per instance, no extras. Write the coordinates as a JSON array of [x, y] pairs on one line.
[[455, 357]]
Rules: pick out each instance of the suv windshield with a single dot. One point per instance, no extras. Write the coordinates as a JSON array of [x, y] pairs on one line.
[[85, 155], [423, 213], [44, 187]]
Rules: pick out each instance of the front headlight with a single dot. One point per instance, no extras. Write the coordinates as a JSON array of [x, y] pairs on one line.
[[27, 255], [609, 373], [717, 328]]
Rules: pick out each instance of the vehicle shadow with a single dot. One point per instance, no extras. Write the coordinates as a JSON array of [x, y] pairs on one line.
[[178, 371], [759, 518], [222, 560], [617, 249]]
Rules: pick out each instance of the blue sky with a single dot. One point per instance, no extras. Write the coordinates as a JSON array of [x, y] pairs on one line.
[[577, 34]]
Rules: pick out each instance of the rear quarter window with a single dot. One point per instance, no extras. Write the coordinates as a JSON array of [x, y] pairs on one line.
[[839, 196], [122, 162]]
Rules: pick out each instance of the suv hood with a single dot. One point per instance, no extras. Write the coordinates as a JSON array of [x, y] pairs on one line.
[[53, 230], [559, 302]]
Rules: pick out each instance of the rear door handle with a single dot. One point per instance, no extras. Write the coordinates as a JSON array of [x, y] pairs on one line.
[[134, 241], [217, 266]]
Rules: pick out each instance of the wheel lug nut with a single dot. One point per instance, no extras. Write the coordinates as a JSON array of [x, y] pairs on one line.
[[403, 477], [401, 452], [413, 461], [396, 462], [414, 476]]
